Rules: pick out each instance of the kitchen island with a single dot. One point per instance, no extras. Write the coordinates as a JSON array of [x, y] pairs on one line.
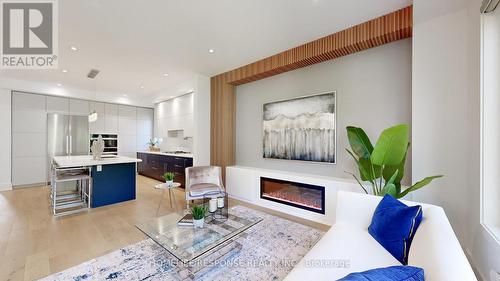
[[113, 178]]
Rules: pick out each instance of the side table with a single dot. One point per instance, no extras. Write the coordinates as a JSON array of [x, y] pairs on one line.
[[163, 187]]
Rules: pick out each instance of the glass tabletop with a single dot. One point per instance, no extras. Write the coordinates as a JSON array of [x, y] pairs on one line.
[[186, 242]]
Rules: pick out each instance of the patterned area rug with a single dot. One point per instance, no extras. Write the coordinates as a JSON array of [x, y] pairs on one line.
[[270, 250]]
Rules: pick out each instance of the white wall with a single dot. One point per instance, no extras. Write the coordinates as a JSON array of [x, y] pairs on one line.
[[5, 140], [373, 92], [446, 119]]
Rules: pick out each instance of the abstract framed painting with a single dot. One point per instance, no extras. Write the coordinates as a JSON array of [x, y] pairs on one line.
[[301, 128]]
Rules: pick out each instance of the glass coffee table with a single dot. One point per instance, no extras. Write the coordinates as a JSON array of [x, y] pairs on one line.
[[196, 249]]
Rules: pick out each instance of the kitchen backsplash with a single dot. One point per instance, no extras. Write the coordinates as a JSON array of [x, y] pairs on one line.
[[175, 141]]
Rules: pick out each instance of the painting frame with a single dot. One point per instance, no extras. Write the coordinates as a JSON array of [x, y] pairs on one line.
[[298, 98]]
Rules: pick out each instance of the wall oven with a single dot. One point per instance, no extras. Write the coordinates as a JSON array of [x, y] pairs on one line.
[[110, 144]]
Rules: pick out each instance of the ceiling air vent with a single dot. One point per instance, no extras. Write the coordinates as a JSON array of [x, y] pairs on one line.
[[93, 73]]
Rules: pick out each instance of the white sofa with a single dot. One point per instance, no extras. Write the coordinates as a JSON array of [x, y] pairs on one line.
[[348, 247]]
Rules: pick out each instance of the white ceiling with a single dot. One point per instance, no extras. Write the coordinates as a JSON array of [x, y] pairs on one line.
[[134, 42]]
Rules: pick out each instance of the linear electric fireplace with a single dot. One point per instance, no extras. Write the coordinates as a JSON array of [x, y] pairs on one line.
[[300, 195]]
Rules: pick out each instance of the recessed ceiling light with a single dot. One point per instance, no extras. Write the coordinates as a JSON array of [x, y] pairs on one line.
[[142, 87], [73, 48], [59, 84], [165, 74], [211, 51], [64, 71], [125, 95]]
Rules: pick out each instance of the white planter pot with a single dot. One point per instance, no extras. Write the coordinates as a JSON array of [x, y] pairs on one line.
[[198, 223], [169, 183]]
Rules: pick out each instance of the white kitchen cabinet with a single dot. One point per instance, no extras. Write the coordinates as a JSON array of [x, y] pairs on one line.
[[57, 105], [111, 118], [125, 111], [142, 143], [29, 134], [29, 170], [160, 129], [183, 105], [79, 107], [127, 126], [144, 127], [29, 113], [25, 101], [27, 121], [126, 144], [134, 126], [99, 126], [175, 114], [187, 125], [29, 144], [145, 113], [163, 109]]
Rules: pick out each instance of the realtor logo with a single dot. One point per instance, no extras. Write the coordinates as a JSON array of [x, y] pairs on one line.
[[29, 34]]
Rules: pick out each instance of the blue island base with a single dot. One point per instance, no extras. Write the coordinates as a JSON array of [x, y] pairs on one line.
[[115, 183]]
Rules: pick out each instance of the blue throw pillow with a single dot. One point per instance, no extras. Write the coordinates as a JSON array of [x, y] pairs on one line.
[[393, 225], [392, 273]]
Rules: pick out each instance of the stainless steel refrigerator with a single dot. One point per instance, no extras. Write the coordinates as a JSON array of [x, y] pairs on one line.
[[67, 135]]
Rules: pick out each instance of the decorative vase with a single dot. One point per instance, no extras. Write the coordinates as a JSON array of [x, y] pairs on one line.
[[97, 148], [198, 223], [169, 183]]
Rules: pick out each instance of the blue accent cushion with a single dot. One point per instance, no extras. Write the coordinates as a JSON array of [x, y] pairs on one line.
[[394, 224], [392, 273]]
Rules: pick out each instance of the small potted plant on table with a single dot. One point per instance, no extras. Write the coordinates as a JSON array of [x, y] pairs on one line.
[[198, 212], [169, 178]]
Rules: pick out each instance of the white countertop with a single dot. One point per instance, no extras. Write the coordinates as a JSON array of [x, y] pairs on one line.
[[86, 160], [185, 155]]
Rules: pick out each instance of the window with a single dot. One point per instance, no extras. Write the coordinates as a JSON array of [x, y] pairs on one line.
[[490, 84]]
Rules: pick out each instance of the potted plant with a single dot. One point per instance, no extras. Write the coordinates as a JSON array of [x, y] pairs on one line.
[[169, 178], [152, 144], [198, 212], [383, 166]]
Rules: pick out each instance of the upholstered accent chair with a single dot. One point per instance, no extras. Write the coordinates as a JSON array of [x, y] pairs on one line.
[[201, 180]]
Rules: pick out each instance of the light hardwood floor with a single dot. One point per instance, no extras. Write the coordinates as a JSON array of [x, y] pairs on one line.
[[34, 244]]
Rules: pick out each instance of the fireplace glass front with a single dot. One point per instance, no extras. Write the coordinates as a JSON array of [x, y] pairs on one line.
[[300, 195]]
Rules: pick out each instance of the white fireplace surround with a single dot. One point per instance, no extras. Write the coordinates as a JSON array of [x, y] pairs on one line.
[[243, 183]]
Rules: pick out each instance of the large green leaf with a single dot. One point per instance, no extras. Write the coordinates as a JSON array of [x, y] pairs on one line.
[[391, 146], [390, 169], [373, 171], [390, 189], [359, 141], [365, 176], [418, 185], [393, 177], [365, 168]]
